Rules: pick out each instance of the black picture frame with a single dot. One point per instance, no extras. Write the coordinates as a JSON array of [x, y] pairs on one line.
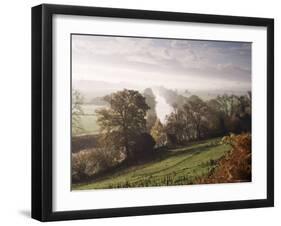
[[42, 106]]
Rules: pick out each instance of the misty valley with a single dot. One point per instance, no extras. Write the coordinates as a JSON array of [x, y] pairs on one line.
[[141, 137], [159, 112]]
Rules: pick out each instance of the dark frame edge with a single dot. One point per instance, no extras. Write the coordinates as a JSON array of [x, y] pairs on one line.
[[155, 15], [270, 111], [41, 176], [164, 209], [36, 69]]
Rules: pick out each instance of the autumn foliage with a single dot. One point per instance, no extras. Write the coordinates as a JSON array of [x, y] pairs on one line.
[[236, 165]]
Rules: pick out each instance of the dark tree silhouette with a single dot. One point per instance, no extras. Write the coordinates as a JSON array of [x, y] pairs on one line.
[[124, 120]]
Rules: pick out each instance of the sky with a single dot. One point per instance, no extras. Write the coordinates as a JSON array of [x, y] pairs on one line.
[[176, 64]]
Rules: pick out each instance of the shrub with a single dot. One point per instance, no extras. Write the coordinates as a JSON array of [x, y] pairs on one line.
[[88, 163], [80, 165], [158, 133], [143, 148], [234, 166]]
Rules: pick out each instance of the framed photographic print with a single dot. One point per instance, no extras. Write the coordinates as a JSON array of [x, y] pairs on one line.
[[145, 112]]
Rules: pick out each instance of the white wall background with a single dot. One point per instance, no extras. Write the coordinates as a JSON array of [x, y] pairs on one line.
[[15, 120]]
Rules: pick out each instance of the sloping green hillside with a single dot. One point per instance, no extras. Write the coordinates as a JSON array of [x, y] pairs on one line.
[[174, 167]]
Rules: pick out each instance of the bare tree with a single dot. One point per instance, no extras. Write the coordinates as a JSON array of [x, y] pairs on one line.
[[77, 111]]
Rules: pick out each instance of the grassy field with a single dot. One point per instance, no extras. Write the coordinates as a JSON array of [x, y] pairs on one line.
[[174, 167]]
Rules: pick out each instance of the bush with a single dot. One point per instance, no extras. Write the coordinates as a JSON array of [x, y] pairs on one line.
[[81, 165], [159, 135], [236, 165], [143, 148], [88, 163]]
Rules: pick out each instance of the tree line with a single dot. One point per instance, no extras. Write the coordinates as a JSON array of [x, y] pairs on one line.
[[130, 131]]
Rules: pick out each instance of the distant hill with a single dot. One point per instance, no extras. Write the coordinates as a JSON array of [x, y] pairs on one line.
[[92, 88]]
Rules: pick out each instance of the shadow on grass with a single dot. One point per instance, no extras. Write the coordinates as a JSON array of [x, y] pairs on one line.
[[187, 153], [183, 150], [159, 155]]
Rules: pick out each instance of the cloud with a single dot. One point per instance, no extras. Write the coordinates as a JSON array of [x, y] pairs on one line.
[[227, 62]]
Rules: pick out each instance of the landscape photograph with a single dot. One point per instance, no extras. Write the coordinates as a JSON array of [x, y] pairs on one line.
[[149, 112]]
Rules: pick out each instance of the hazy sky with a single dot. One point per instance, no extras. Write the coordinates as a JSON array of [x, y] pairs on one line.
[[181, 64]]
